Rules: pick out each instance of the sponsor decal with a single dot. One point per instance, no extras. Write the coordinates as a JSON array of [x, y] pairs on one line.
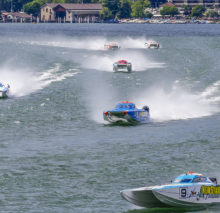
[[209, 190], [142, 114], [203, 192]]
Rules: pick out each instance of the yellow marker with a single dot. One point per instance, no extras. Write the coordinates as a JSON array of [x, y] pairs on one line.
[[207, 190]]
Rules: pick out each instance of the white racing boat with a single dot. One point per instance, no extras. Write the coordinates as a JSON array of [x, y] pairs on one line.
[[191, 190], [152, 45], [122, 66], [111, 46], [4, 90]]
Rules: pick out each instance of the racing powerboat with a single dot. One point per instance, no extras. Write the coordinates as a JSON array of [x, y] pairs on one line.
[[126, 112], [122, 66], [152, 44], [111, 46], [4, 90], [190, 190]]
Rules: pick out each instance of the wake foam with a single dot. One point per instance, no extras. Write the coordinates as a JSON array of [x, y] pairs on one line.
[[73, 43], [176, 103], [24, 81], [105, 62], [91, 43]]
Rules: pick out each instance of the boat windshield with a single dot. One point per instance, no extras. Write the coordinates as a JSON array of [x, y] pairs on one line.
[[119, 106], [125, 106], [199, 179], [185, 180]]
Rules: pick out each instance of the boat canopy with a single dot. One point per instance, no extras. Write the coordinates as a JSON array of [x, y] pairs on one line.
[[125, 105], [191, 178], [122, 62]]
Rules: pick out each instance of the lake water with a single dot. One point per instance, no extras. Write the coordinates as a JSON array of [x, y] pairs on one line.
[[56, 152]]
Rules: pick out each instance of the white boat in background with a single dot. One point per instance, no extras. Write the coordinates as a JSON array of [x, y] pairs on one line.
[[4, 90], [152, 45], [190, 190], [111, 46]]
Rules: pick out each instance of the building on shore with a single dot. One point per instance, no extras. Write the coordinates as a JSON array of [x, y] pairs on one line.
[[15, 17], [79, 13], [193, 3]]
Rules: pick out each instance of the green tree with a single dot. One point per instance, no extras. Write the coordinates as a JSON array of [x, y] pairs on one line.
[[148, 14], [169, 10], [59, 1], [187, 10], [105, 13], [112, 5], [32, 8], [212, 14], [198, 11], [124, 9], [138, 8]]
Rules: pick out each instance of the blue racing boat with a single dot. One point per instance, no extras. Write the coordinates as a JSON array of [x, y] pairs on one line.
[[128, 113], [4, 90]]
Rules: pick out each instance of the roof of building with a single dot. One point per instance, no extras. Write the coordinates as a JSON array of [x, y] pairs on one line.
[[168, 4], [75, 6], [21, 15], [52, 5]]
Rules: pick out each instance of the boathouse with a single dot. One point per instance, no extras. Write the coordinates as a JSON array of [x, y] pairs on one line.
[[79, 13]]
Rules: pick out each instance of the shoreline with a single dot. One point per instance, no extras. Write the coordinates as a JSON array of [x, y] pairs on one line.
[[133, 21]]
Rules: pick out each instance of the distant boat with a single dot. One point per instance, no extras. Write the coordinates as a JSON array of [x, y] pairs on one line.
[[4, 90], [111, 46], [128, 113], [152, 44], [112, 21]]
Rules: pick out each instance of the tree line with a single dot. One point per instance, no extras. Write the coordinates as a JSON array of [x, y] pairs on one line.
[[196, 11], [111, 8]]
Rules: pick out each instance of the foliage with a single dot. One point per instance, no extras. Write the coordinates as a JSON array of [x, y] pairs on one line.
[[156, 3], [33, 7], [112, 5], [124, 9], [212, 14], [187, 10], [148, 14], [105, 13], [198, 11], [169, 10], [59, 1], [138, 8]]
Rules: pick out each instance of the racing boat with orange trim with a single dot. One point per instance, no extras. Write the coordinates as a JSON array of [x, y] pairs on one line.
[[111, 46], [126, 112], [190, 190]]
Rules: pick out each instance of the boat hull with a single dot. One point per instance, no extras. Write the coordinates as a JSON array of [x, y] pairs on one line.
[[189, 196], [143, 197], [4, 94], [194, 196], [132, 117], [122, 68]]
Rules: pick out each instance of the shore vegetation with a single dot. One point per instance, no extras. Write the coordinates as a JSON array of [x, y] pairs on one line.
[[169, 10]]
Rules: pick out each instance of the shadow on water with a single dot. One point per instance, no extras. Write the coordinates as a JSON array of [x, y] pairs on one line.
[[164, 210]]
